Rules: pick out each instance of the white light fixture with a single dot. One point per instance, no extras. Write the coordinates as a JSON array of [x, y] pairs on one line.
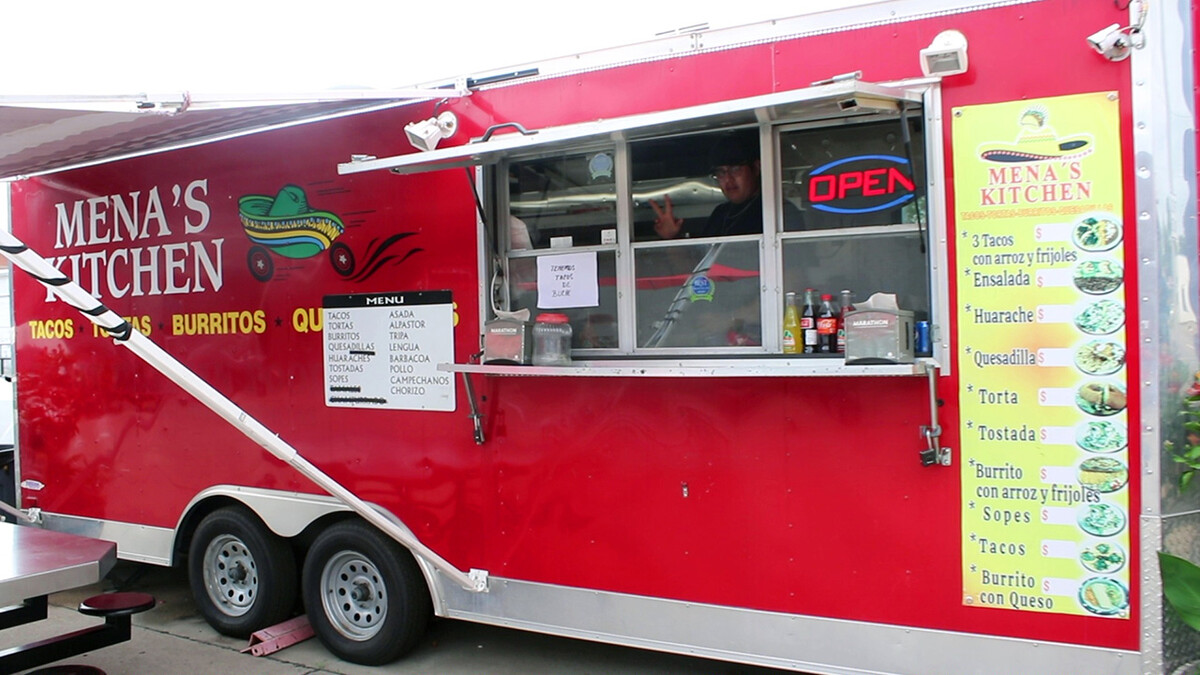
[[946, 55], [426, 134]]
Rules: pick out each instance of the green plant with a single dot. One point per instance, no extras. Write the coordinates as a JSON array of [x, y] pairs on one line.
[[1181, 586], [1188, 453]]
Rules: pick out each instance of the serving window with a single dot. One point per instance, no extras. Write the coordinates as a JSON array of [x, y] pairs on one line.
[[860, 187], [690, 238]]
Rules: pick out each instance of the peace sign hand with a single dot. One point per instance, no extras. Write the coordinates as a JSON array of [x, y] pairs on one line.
[[666, 225]]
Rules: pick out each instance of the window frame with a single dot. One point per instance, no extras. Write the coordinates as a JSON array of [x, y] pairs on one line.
[[770, 243]]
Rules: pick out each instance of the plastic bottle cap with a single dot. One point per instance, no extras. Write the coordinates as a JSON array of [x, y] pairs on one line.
[[552, 318], [826, 296]]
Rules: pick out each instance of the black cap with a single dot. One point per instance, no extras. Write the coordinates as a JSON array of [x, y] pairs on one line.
[[738, 147]]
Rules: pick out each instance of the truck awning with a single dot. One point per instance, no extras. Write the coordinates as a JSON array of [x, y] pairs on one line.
[[826, 101], [41, 134]]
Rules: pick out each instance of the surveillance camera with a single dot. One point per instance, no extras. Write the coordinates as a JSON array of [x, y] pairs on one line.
[[1110, 42], [426, 134]]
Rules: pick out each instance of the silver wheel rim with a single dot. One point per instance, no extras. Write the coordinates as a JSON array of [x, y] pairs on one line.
[[354, 596], [230, 575]]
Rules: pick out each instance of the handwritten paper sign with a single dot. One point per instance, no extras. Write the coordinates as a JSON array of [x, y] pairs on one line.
[[567, 280]]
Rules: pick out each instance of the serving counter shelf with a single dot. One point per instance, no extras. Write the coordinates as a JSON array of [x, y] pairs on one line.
[[782, 367], [739, 367]]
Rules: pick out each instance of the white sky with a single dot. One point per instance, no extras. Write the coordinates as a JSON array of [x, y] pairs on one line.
[[215, 46]]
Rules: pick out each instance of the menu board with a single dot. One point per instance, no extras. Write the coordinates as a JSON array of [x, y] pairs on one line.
[[382, 350], [1041, 355]]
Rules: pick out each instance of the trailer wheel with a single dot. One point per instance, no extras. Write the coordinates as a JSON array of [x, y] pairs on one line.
[[365, 596], [243, 576]]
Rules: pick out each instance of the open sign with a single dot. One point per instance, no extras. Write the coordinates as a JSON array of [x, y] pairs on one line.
[[860, 184]]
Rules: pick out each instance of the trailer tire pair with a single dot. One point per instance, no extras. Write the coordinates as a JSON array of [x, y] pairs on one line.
[[365, 595]]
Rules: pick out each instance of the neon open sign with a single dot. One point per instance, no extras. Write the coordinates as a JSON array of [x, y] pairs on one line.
[[860, 184]]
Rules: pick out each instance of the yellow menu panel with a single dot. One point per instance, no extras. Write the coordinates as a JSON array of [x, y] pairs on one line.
[[1041, 355]]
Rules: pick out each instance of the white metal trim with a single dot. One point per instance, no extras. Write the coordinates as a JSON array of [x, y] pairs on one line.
[[1163, 110], [626, 307], [808, 22], [285, 513], [140, 543], [774, 639]]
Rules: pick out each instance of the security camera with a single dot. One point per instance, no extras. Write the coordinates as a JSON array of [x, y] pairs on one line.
[[1111, 42], [426, 134]]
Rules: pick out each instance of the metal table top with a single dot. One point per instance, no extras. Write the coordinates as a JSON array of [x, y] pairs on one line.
[[36, 562]]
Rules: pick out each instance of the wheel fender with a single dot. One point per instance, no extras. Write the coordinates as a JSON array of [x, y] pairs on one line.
[[288, 513]]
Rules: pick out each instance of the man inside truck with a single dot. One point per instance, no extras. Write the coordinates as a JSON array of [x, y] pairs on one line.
[[735, 166], [723, 309]]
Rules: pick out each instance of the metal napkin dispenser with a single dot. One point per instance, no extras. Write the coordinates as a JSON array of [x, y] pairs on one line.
[[879, 336], [508, 341]]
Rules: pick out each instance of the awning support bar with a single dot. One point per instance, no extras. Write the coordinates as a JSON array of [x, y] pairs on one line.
[[74, 295]]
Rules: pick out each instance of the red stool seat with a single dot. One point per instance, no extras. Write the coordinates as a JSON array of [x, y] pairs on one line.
[[116, 604]]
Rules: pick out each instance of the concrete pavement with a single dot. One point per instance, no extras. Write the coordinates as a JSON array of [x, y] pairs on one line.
[[172, 639]]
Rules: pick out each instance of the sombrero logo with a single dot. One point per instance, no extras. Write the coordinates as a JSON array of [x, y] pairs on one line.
[[287, 226], [860, 184], [1037, 142]]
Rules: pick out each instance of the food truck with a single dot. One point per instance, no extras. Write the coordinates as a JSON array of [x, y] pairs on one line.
[[510, 354]]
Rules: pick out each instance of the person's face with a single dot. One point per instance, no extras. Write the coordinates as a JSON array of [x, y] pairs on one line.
[[738, 182]]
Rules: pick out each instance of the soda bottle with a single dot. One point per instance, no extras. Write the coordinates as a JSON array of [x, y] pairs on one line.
[[808, 321], [791, 326], [827, 326], [847, 306]]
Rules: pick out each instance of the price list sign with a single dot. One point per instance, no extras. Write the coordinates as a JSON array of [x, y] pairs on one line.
[[1042, 355], [382, 350]]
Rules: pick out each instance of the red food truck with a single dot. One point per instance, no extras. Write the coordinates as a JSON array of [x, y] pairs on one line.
[[519, 352]]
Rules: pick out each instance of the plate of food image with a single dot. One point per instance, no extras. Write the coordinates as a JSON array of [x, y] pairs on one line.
[[1100, 398], [1102, 558], [1096, 232], [1103, 596], [1102, 474], [1101, 318], [1101, 520], [1097, 277], [1101, 436], [1100, 357]]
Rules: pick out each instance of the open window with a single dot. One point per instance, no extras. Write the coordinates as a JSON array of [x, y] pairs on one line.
[[693, 224]]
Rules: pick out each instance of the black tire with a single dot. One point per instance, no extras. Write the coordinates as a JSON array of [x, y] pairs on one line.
[[365, 596], [243, 576]]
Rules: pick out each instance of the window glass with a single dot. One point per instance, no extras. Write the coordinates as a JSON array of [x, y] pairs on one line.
[[591, 327], [853, 175], [563, 196], [703, 185], [698, 295], [887, 263]]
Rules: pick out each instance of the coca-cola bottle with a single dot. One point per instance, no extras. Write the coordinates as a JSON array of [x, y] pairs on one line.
[[808, 321], [847, 306], [827, 318]]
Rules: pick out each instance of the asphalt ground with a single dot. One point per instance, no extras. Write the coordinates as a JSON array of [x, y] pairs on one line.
[[173, 639]]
